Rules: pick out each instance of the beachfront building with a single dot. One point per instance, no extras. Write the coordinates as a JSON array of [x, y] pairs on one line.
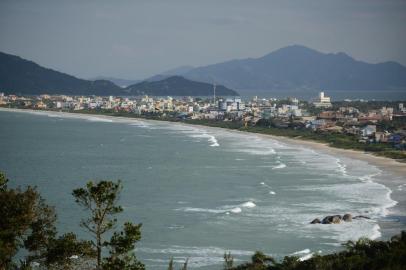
[[368, 130], [229, 104], [322, 101]]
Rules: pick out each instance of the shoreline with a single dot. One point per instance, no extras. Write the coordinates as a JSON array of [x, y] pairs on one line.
[[387, 165]]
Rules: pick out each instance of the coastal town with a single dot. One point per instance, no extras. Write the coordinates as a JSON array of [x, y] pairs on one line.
[[366, 121]]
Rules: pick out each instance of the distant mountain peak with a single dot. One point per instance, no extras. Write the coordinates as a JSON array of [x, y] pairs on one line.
[[298, 67]]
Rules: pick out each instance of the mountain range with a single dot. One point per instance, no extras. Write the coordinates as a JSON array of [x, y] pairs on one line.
[[301, 68], [20, 76], [290, 68]]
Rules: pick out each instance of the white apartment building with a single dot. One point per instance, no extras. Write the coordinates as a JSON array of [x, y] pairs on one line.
[[322, 101]]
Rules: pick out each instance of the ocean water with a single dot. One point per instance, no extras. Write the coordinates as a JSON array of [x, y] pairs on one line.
[[199, 192]]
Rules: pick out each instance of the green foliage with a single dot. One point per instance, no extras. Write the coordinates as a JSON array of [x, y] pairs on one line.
[[66, 250], [121, 247], [259, 261], [100, 199], [3, 182], [43, 231], [364, 254], [26, 222]]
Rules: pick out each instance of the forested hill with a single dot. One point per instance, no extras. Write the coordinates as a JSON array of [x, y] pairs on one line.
[[20, 76], [178, 86]]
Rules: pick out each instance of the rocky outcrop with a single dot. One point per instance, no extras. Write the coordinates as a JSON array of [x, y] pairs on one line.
[[331, 219], [347, 217], [361, 217], [315, 221], [336, 219]]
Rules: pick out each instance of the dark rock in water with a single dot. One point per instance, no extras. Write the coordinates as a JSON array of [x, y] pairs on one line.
[[315, 221], [331, 219], [359, 217], [336, 219], [347, 217]]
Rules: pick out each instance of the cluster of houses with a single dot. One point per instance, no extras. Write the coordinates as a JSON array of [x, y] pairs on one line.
[[290, 113]]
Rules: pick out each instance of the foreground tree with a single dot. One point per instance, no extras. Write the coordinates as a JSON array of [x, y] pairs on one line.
[[121, 247], [26, 222], [67, 252], [101, 200]]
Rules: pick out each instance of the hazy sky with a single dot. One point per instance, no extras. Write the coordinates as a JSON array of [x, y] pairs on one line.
[[135, 39]]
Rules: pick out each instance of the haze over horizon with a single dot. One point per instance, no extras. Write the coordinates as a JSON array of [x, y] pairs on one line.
[[134, 40]]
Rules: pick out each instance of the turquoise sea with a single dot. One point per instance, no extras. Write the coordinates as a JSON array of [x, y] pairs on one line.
[[200, 191]]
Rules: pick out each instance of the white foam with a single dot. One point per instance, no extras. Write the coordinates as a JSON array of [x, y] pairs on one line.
[[341, 167], [376, 232], [304, 251], [279, 166], [346, 231], [214, 141], [202, 210], [197, 256], [176, 227], [248, 204], [192, 250], [220, 210], [210, 138], [53, 116], [236, 210], [140, 124], [306, 257], [98, 119], [182, 202], [258, 151], [272, 192]]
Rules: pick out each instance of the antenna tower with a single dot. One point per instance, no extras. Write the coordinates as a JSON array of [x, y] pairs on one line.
[[214, 93]]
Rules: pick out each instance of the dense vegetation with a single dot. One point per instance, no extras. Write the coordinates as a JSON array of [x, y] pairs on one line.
[[27, 226], [361, 255]]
